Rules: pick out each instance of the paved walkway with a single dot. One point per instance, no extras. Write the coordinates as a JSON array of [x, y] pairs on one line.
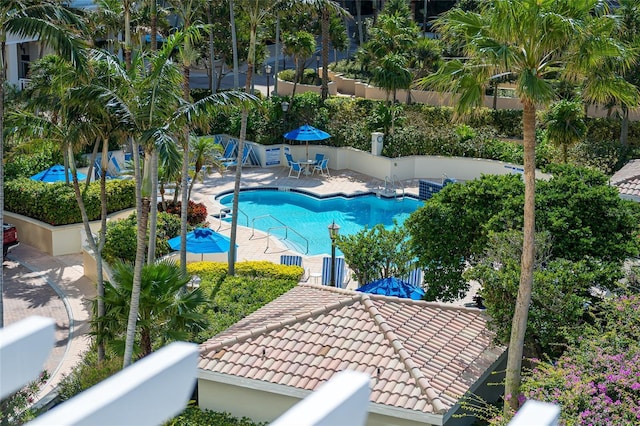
[[38, 284], [55, 287]]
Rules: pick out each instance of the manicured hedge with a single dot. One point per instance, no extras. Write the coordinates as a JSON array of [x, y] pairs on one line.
[[55, 203], [194, 416]]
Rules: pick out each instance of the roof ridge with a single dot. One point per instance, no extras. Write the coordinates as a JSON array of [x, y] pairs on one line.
[[441, 305], [276, 325], [403, 354]]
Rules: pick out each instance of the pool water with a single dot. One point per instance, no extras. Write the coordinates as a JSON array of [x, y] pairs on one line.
[[308, 217]]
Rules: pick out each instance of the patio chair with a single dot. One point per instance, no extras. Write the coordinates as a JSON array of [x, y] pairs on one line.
[[322, 168], [296, 169], [340, 272], [289, 158], [245, 157], [319, 157], [414, 277]]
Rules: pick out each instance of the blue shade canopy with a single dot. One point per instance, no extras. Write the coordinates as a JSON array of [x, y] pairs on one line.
[[203, 240], [56, 174], [393, 287], [307, 133]]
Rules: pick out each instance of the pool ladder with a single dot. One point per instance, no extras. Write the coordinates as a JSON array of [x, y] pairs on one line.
[[392, 185], [224, 213], [284, 226]]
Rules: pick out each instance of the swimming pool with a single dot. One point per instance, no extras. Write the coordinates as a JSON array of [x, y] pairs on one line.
[[308, 217]]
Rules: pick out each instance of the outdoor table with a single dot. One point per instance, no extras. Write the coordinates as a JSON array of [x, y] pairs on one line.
[[307, 165]]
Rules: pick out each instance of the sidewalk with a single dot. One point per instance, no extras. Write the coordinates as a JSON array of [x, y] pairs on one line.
[[55, 287]]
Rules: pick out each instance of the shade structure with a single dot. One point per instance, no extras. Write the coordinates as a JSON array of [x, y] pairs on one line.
[[392, 286], [306, 133], [56, 174], [203, 240]]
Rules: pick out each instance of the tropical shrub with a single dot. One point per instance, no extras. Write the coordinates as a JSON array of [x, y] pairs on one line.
[[88, 373], [597, 381], [120, 243], [55, 203], [194, 416], [196, 212], [17, 408]]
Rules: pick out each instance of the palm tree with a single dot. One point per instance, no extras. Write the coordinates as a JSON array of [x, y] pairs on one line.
[[167, 312], [47, 21], [391, 74], [565, 125], [151, 109], [203, 157], [534, 41], [301, 46]]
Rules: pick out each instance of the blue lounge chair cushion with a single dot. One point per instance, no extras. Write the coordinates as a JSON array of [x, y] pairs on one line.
[[326, 271], [289, 259]]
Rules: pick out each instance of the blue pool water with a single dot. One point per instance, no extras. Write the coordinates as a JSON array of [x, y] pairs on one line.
[[310, 216]]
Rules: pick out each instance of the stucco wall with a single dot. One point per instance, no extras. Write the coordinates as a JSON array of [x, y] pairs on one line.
[[54, 240], [263, 406], [414, 167]]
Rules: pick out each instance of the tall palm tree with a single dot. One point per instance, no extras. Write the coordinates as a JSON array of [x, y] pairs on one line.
[[535, 41], [301, 46], [48, 21]]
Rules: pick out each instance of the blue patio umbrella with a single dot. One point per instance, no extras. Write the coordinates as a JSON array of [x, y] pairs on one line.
[[393, 286], [56, 174], [307, 133], [203, 240]]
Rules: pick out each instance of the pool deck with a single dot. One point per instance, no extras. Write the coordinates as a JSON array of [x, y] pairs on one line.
[[344, 182]]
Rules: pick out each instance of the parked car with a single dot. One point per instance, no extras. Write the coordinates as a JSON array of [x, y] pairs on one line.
[[10, 237]]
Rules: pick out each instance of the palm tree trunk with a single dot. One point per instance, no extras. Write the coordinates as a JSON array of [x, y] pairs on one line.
[[234, 44], [359, 15], [143, 188], [2, 80], [101, 241], [212, 56], [324, 93], [519, 324], [145, 342], [127, 33], [624, 128], [153, 209], [243, 134], [153, 12]]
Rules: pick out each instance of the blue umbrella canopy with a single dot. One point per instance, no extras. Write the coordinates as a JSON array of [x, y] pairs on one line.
[[392, 286], [55, 174], [307, 133], [203, 240]]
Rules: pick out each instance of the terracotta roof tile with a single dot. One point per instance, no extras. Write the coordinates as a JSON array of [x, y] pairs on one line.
[[421, 356]]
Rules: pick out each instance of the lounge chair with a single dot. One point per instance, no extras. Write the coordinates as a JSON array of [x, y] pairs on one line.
[[340, 272], [296, 169], [245, 157], [97, 167], [229, 150], [289, 259], [322, 168]]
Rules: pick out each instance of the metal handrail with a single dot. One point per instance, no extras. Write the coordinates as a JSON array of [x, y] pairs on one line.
[[282, 226], [394, 177], [226, 210]]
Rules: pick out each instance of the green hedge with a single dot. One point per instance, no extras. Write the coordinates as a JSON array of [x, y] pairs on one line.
[[55, 203], [194, 416]]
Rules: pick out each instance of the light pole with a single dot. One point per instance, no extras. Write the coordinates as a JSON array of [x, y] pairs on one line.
[[333, 234], [267, 69]]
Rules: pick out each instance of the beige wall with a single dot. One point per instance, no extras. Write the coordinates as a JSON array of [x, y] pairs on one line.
[[414, 167], [285, 88], [264, 406], [54, 240], [348, 86]]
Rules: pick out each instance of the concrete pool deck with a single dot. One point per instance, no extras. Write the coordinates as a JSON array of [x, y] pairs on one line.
[[257, 247]]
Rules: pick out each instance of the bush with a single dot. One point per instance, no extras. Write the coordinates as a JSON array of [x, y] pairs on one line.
[[88, 373], [121, 237], [233, 298], [55, 203], [196, 212], [194, 416]]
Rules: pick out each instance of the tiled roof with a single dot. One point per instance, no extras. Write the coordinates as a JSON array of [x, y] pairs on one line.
[[421, 356], [627, 180]]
